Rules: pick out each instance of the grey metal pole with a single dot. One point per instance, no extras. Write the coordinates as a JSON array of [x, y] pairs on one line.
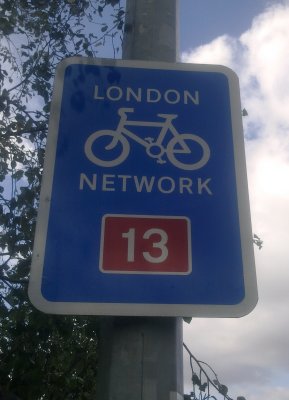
[[151, 30], [141, 358]]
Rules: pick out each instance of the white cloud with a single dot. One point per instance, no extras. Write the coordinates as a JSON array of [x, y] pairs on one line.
[[219, 51], [251, 349]]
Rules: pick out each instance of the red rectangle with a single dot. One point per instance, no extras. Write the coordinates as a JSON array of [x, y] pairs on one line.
[[145, 244]]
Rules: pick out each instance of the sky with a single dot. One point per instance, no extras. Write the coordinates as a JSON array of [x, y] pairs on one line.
[[251, 354]]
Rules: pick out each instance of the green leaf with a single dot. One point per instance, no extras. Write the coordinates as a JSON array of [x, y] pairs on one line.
[[18, 175], [203, 387], [196, 379], [89, 53], [223, 390], [112, 2]]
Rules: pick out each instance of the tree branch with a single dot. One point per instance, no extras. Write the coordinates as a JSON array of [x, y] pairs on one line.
[[14, 281]]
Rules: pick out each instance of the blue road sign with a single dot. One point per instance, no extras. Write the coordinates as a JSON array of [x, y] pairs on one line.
[[144, 204]]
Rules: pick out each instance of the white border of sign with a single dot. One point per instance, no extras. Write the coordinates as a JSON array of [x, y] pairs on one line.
[[185, 310]]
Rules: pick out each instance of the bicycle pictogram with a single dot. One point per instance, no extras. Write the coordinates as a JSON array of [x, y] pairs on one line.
[[177, 146]]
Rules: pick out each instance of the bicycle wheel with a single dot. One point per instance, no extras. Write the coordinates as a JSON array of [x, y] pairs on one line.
[[179, 146], [106, 153]]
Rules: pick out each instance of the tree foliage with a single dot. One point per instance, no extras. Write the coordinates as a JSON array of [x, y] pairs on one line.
[[41, 357], [205, 381]]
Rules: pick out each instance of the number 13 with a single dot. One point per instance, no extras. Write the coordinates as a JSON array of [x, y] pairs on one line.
[[161, 244]]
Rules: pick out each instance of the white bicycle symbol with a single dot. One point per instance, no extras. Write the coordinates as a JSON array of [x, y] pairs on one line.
[[154, 147]]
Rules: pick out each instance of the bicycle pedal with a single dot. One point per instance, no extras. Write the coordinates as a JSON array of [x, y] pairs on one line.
[[160, 161], [149, 139]]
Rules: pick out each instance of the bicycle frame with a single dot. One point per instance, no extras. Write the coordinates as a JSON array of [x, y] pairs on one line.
[[165, 125]]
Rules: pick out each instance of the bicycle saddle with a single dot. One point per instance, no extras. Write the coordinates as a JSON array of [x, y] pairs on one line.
[[170, 116]]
